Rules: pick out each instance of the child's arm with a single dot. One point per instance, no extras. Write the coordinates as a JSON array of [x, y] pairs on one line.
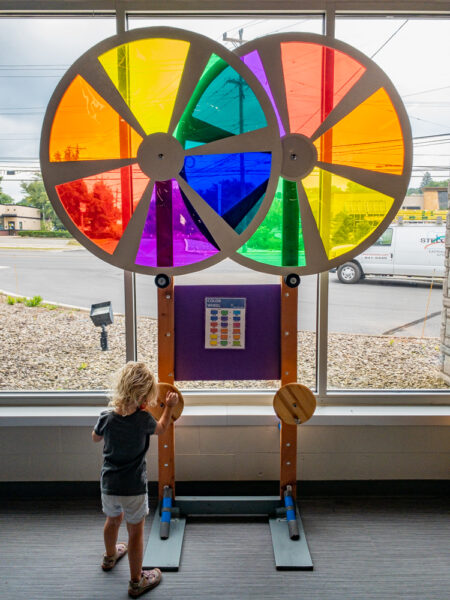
[[96, 438], [163, 423]]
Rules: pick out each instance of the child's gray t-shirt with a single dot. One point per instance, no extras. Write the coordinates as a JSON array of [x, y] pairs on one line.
[[126, 441]]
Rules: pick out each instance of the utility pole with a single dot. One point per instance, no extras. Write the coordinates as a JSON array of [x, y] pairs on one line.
[[236, 43]]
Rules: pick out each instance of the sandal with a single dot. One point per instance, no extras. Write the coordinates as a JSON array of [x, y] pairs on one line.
[[149, 580], [109, 562]]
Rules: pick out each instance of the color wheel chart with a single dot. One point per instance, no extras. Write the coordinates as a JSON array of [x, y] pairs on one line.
[[160, 151], [347, 153]]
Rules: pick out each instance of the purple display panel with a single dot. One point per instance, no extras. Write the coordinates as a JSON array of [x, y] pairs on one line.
[[261, 358]]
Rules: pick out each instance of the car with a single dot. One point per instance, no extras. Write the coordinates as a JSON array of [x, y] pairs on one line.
[[405, 249]]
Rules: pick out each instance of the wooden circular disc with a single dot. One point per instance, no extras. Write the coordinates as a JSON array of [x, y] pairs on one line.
[[157, 411], [294, 403]]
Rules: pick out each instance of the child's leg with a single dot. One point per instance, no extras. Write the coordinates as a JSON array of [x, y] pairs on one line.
[[136, 548], [110, 533]]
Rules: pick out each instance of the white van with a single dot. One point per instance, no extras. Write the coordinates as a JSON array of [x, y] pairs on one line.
[[405, 249]]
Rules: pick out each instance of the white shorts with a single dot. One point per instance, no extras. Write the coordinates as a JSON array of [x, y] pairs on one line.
[[135, 508]]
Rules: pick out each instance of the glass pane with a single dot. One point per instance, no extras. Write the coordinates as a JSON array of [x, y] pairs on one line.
[[50, 344], [85, 127], [279, 239], [305, 68], [345, 212], [369, 137], [384, 330], [214, 128], [174, 234], [152, 70], [101, 205], [232, 184]]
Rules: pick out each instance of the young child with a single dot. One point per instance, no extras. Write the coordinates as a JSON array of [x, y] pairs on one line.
[[126, 430]]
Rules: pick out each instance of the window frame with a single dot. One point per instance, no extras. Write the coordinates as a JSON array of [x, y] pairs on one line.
[[329, 10]]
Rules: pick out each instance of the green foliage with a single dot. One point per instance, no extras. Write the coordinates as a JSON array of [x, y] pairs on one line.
[[44, 234], [441, 183], [349, 230], [426, 180], [11, 300], [82, 366], [34, 301], [35, 195], [92, 210], [49, 306], [5, 198]]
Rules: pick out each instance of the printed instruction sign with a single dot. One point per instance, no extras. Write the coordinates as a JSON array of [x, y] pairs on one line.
[[225, 323]]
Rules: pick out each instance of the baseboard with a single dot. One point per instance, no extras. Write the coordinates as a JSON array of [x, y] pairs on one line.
[[54, 490]]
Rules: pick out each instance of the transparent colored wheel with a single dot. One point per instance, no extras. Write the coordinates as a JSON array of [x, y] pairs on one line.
[[347, 153], [159, 151]]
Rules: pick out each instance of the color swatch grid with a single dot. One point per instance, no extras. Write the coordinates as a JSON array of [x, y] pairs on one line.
[[225, 323]]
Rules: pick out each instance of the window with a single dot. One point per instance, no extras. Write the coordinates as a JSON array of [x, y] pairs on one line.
[[384, 330], [385, 239]]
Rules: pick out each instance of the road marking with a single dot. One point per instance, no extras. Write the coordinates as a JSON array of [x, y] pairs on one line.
[[416, 322]]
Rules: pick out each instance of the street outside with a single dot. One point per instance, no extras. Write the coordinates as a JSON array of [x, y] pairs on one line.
[[61, 271]]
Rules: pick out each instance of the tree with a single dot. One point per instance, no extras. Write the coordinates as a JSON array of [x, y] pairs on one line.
[[442, 183], [5, 198], [426, 180], [35, 195]]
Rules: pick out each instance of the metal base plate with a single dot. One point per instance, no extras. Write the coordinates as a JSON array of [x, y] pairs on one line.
[[289, 554], [164, 554]]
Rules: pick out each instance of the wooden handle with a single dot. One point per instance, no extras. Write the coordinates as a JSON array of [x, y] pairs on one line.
[[157, 410], [294, 403]]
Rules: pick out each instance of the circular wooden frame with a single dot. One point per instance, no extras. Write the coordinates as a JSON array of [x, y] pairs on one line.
[[393, 185], [264, 140]]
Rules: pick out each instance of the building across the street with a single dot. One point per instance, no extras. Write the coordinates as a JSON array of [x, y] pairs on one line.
[[14, 217]]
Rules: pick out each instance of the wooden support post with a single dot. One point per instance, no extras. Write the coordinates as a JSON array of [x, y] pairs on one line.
[[288, 437], [166, 373]]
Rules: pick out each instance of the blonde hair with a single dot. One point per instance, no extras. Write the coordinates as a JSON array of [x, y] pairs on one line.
[[133, 385]]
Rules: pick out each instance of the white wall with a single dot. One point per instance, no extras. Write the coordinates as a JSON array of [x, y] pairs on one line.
[[238, 453]]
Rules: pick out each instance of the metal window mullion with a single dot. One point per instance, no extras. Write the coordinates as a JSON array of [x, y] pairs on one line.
[[322, 336], [129, 282], [129, 278], [121, 17], [322, 278], [330, 21]]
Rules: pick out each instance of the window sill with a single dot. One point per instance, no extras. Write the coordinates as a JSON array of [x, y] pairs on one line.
[[234, 415]]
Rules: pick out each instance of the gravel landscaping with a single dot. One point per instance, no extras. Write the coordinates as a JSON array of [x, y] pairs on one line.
[[53, 348]]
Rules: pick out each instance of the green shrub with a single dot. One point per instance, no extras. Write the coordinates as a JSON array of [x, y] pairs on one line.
[[11, 300], [45, 234], [34, 301]]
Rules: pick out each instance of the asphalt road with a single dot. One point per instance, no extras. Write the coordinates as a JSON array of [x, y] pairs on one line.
[[78, 278]]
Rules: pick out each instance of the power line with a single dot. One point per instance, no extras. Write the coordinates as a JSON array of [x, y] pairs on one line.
[[389, 38], [446, 87]]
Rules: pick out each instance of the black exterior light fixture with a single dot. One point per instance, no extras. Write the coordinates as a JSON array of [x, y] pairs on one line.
[[102, 315]]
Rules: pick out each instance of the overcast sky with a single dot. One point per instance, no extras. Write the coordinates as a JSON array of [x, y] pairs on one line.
[[36, 52]]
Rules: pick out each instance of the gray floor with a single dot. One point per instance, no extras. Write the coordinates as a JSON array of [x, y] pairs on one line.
[[362, 548]]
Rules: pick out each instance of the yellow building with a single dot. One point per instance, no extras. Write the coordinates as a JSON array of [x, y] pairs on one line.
[[14, 217]]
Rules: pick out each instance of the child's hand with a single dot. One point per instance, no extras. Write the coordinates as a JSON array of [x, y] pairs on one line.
[[171, 399]]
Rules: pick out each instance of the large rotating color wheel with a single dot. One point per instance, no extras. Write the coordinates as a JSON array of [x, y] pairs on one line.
[[160, 151], [347, 153]]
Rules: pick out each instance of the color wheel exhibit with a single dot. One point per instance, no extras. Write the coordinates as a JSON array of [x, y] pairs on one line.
[[346, 153], [158, 154], [163, 152]]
